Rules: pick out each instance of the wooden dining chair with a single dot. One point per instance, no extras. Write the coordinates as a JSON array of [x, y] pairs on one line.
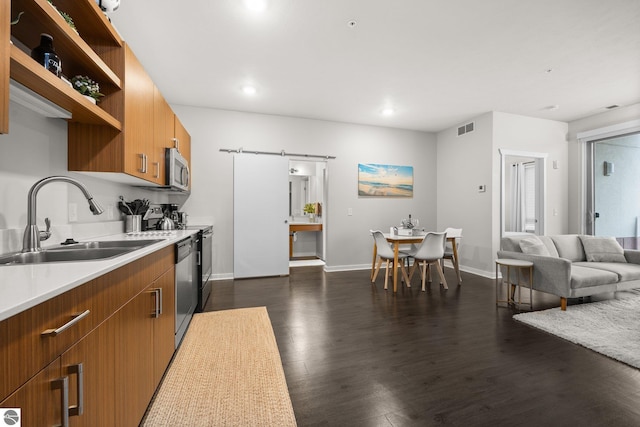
[[385, 252], [429, 252]]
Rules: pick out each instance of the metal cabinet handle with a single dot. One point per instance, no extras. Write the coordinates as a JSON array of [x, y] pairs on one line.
[[157, 174], [76, 319], [199, 257], [176, 143], [143, 162], [79, 371], [157, 295], [63, 383]]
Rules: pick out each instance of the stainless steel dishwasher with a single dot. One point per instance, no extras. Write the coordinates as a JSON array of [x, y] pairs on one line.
[[186, 285]]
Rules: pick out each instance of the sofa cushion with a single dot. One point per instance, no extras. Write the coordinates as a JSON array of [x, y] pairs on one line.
[[584, 277], [533, 246], [602, 249], [569, 246], [511, 243], [625, 271], [551, 247]]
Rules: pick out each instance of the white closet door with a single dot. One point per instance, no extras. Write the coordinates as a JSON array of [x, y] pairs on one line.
[[260, 215]]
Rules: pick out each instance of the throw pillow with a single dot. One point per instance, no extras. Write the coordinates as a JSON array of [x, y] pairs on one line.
[[534, 246], [602, 249]]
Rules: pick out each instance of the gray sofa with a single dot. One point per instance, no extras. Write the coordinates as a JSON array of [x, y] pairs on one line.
[[572, 265]]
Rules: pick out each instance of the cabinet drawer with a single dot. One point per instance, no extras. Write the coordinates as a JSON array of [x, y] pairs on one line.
[[40, 400], [26, 350]]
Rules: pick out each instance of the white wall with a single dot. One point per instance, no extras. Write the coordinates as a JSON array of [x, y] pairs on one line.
[[576, 157], [473, 159], [34, 148], [464, 163], [349, 244]]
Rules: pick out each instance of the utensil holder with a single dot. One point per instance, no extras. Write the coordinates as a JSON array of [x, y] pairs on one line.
[[132, 223]]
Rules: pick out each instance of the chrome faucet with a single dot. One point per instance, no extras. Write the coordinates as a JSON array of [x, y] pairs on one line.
[[33, 236]]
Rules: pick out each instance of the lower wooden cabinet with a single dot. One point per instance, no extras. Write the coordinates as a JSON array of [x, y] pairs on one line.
[[40, 399], [108, 376], [89, 366], [164, 326], [134, 359]]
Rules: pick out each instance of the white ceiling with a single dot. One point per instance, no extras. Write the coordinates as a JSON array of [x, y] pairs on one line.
[[437, 63]]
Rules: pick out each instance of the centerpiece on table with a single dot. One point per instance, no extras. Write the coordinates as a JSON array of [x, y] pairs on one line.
[[310, 209], [87, 87]]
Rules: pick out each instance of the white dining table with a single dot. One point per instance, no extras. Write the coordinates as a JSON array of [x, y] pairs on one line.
[[398, 240]]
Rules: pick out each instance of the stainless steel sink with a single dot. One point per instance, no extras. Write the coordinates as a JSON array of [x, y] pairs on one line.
[[105, 244], [85, 251]]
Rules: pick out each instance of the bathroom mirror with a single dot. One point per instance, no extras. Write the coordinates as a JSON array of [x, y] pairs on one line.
[[305, 185]]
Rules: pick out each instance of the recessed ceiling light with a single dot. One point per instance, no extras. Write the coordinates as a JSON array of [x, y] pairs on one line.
[[388, 111], [249, 90], [256, 5], [553, 107], [352, 23]]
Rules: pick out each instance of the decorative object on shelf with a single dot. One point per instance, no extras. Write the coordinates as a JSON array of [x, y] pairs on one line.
[[66, 17], [87, 87], [15, 21], [46, 55], [310, 208], [108, 5]]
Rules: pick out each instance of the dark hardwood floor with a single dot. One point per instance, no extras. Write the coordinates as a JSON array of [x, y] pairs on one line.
[[356, 355]]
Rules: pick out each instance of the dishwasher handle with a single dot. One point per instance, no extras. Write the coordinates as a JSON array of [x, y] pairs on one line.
[[183, 249]]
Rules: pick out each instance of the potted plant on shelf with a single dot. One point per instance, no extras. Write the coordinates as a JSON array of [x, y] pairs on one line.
[[87, 87], [310, 208]]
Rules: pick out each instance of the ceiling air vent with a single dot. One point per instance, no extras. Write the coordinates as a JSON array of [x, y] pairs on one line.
[[612, 107], [469, 127]]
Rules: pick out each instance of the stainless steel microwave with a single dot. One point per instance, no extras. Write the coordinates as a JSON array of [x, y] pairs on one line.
[[177, 170]]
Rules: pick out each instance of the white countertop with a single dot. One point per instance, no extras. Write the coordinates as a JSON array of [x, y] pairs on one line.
[[25, 286]]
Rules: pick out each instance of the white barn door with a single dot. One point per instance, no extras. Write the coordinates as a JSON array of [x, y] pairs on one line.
[[260, 215]]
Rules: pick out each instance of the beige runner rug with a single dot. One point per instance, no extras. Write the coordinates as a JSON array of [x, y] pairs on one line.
[[227, 372]]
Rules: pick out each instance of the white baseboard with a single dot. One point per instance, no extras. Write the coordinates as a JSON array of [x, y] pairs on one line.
[[354, 267]]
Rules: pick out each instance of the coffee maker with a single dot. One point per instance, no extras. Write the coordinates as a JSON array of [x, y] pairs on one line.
[[179, 218]]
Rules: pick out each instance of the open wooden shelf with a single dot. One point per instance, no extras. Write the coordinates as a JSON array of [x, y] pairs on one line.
[[76, 55], [28, 72], [92, 24]]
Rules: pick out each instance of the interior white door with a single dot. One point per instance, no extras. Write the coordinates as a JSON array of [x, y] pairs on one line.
[[260, 215]]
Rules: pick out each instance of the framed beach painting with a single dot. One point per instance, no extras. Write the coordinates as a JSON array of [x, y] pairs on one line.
[[385, 180]]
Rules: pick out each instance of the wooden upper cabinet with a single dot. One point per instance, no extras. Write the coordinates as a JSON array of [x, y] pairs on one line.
[[163, 129], [5, 13], [139, 151]]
